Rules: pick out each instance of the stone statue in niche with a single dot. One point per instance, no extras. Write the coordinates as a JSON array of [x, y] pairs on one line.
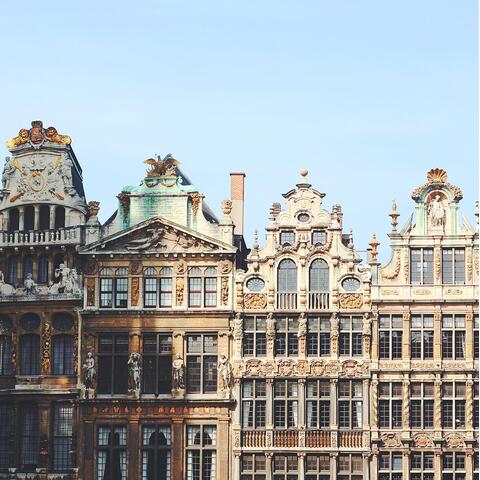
[[89, 373], [134, 371], [271, 322], [178, 380], [238, 327], [224, 375], [436, 212]]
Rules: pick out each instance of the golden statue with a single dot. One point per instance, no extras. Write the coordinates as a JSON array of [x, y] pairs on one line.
[[162, 167]]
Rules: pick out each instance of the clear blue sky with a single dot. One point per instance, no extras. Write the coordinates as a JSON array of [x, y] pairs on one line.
[[369, 95]]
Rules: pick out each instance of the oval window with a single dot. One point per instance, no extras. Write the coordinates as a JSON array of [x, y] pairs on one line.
[[351, 284], [255, 284], [303, 217]]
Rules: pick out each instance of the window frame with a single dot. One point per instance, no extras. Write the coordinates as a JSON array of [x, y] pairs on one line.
[[286, 337], [390, 349], [426, 266], [422, 406], [390, 403], [202, 448], [319, 336], [350, 401], [157, 449], [202, 355], [317, 405], [285, 404], [350, 338], [456, 404], [256, 402], [453, 280], [117, 356], [157, 358], [254, 342], [453, 335], [66, 367], [111, 448], [422, 330], [64, 436]]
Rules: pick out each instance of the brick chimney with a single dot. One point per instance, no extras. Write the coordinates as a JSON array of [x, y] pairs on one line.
[[237, 191]]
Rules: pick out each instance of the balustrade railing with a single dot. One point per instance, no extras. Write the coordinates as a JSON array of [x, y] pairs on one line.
[[287, 301], [318, 301], [350, 439], [39, 237]]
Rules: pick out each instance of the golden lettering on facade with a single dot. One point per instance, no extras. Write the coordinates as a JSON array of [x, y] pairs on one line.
[[390, 291]]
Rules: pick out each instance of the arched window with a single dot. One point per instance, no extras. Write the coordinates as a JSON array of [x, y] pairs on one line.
[[44, 217], [29, 217], [287, 276], [27, 265], [62, 347], [319, 276], [29, 355], [59, 217], [13, 220], [12, 268], [42, 269]]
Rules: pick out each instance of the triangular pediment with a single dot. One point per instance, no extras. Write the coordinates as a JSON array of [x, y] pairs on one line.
[[157, 235]]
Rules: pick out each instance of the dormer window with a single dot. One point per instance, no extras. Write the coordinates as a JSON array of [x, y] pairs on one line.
[[287, 238], [319, 237]]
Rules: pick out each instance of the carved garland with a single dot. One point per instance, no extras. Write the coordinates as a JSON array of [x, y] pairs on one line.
[[46, 347], [135, 290], [179, 288], [224, 291]]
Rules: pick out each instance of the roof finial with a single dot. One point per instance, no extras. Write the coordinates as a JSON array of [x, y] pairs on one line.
[[374, 243], [394, 215], [303, 176]]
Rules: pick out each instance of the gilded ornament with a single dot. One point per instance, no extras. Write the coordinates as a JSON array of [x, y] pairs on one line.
[[195, 198], [179, 289], [469, 267], [227, 207], [135, 290], [351, 300], [438, 266], [37, 135], [454, 440], [46, 347], [90, 291], [406, 266], [254, 300], [166, 167], [423, 440]]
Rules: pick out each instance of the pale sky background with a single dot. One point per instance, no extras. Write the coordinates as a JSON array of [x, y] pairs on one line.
[[368, 95]]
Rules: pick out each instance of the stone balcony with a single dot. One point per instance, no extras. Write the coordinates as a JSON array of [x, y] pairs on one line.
[[60, 236], [316, 300], [56, 297]]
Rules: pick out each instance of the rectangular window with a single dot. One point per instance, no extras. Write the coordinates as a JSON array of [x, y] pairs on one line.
[[285, 467], [62, 437], [254, 403], [318, 403], [112, 364], [112, 452], [202, 287], [150, 292], [254, 337], [421, 337], [62, 346], [156, 445], [421, 466], [29, 355], [5, 355], [157, 364], [453, 337], [319, 237], [285, 404], [201, 452], [286, 337], [318, 337], [287, 238], [350, 340], [254, 467], [421, 266], [421, 405], [6, 420], [29, 438], [453, 466], [453, 405], [350, 404], [349, 466], [390, 466], [390, 405], [317, 467], [453, 266], [113, 292], [201, 363], [390, 331]]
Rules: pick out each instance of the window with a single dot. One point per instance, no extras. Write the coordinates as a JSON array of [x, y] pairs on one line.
[[285, 467], [27, 265], [157, 364], [12, 270], [112, 364], [112, 452], [421, 266], [319, 276], [318, 403], [390, 466], [453, 405], [350, 340], [5, 355], [287, 238], [6, 420], [285, 403], [29, 441], [476, 466], [62, 437], [158, 291], [254, 467], [390, 405], [319, 237], [453, 467], [287, 276], [390, 336], [254, 396], [350, 404], [62, 355], [421, 466], [421, 405], [317, 467], [201, 363], [349, 467], [453, 337], [476, 338], [453, 266], [201, 452], [113, 291], [29, 355], [42, 270], [286, 337], [254, 337], [202, 287], [318, 337], [421, 337], [156, 445]]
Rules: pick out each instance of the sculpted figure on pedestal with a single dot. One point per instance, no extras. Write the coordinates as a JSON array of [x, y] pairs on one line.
[[224, 375], [134, 371], [178, 380], [89, 373]]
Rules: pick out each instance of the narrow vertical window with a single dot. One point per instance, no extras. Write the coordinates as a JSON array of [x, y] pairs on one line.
[[6, 420], [29, 355], [62, 355], [318, 403], [285, 404], [453, 405], [157, 364], [390, 405], [286, 338], [62, 437], [390, 332], [112, 364], [29, 437], [350, 404], [421, 405], [350, 340], [5, 355], [201, 452], [254, 394], [453, 266], [421, 337], [156, 446], [318, 337], [112, 452], [453, 337], [201, 363], [254, 337], [421, 266]]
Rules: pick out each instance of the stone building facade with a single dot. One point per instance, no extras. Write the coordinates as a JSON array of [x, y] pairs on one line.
[[157, 346]]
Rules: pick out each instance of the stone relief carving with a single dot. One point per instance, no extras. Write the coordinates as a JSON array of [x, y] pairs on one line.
[[254, 300], [350, 300], [68, 281], [135, 267], [436, 211], [455, 440], [90, 291], [423, 440], [152, 239], [180, 267], [238, 327], [302, 325], [390, 440], [224, 290], [179, 289], [393, 273], [135, 290], [46, 347]]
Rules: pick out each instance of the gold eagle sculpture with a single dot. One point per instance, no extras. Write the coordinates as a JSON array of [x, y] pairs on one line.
[[165, 166]]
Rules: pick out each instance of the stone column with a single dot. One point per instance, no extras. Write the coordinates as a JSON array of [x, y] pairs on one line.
[[333, 464], [301, 403], [469, 405], [437, 463], [21, 218], [374, 407], [44, 407], [437, 409], [236, 465], [366, 469], [374, 465], [469, 464], [405, 464], [334, 335], [374, 346], [333, 403], [178, 447], [236, 392], [437, 336], [366, 401], [268, 465], [406, 406], [269, 406], [36, 217], [301, 464], [406, 336], [223, 448], [51, 223]]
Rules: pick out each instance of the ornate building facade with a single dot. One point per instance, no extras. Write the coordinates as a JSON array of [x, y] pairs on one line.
[[157, 346]]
